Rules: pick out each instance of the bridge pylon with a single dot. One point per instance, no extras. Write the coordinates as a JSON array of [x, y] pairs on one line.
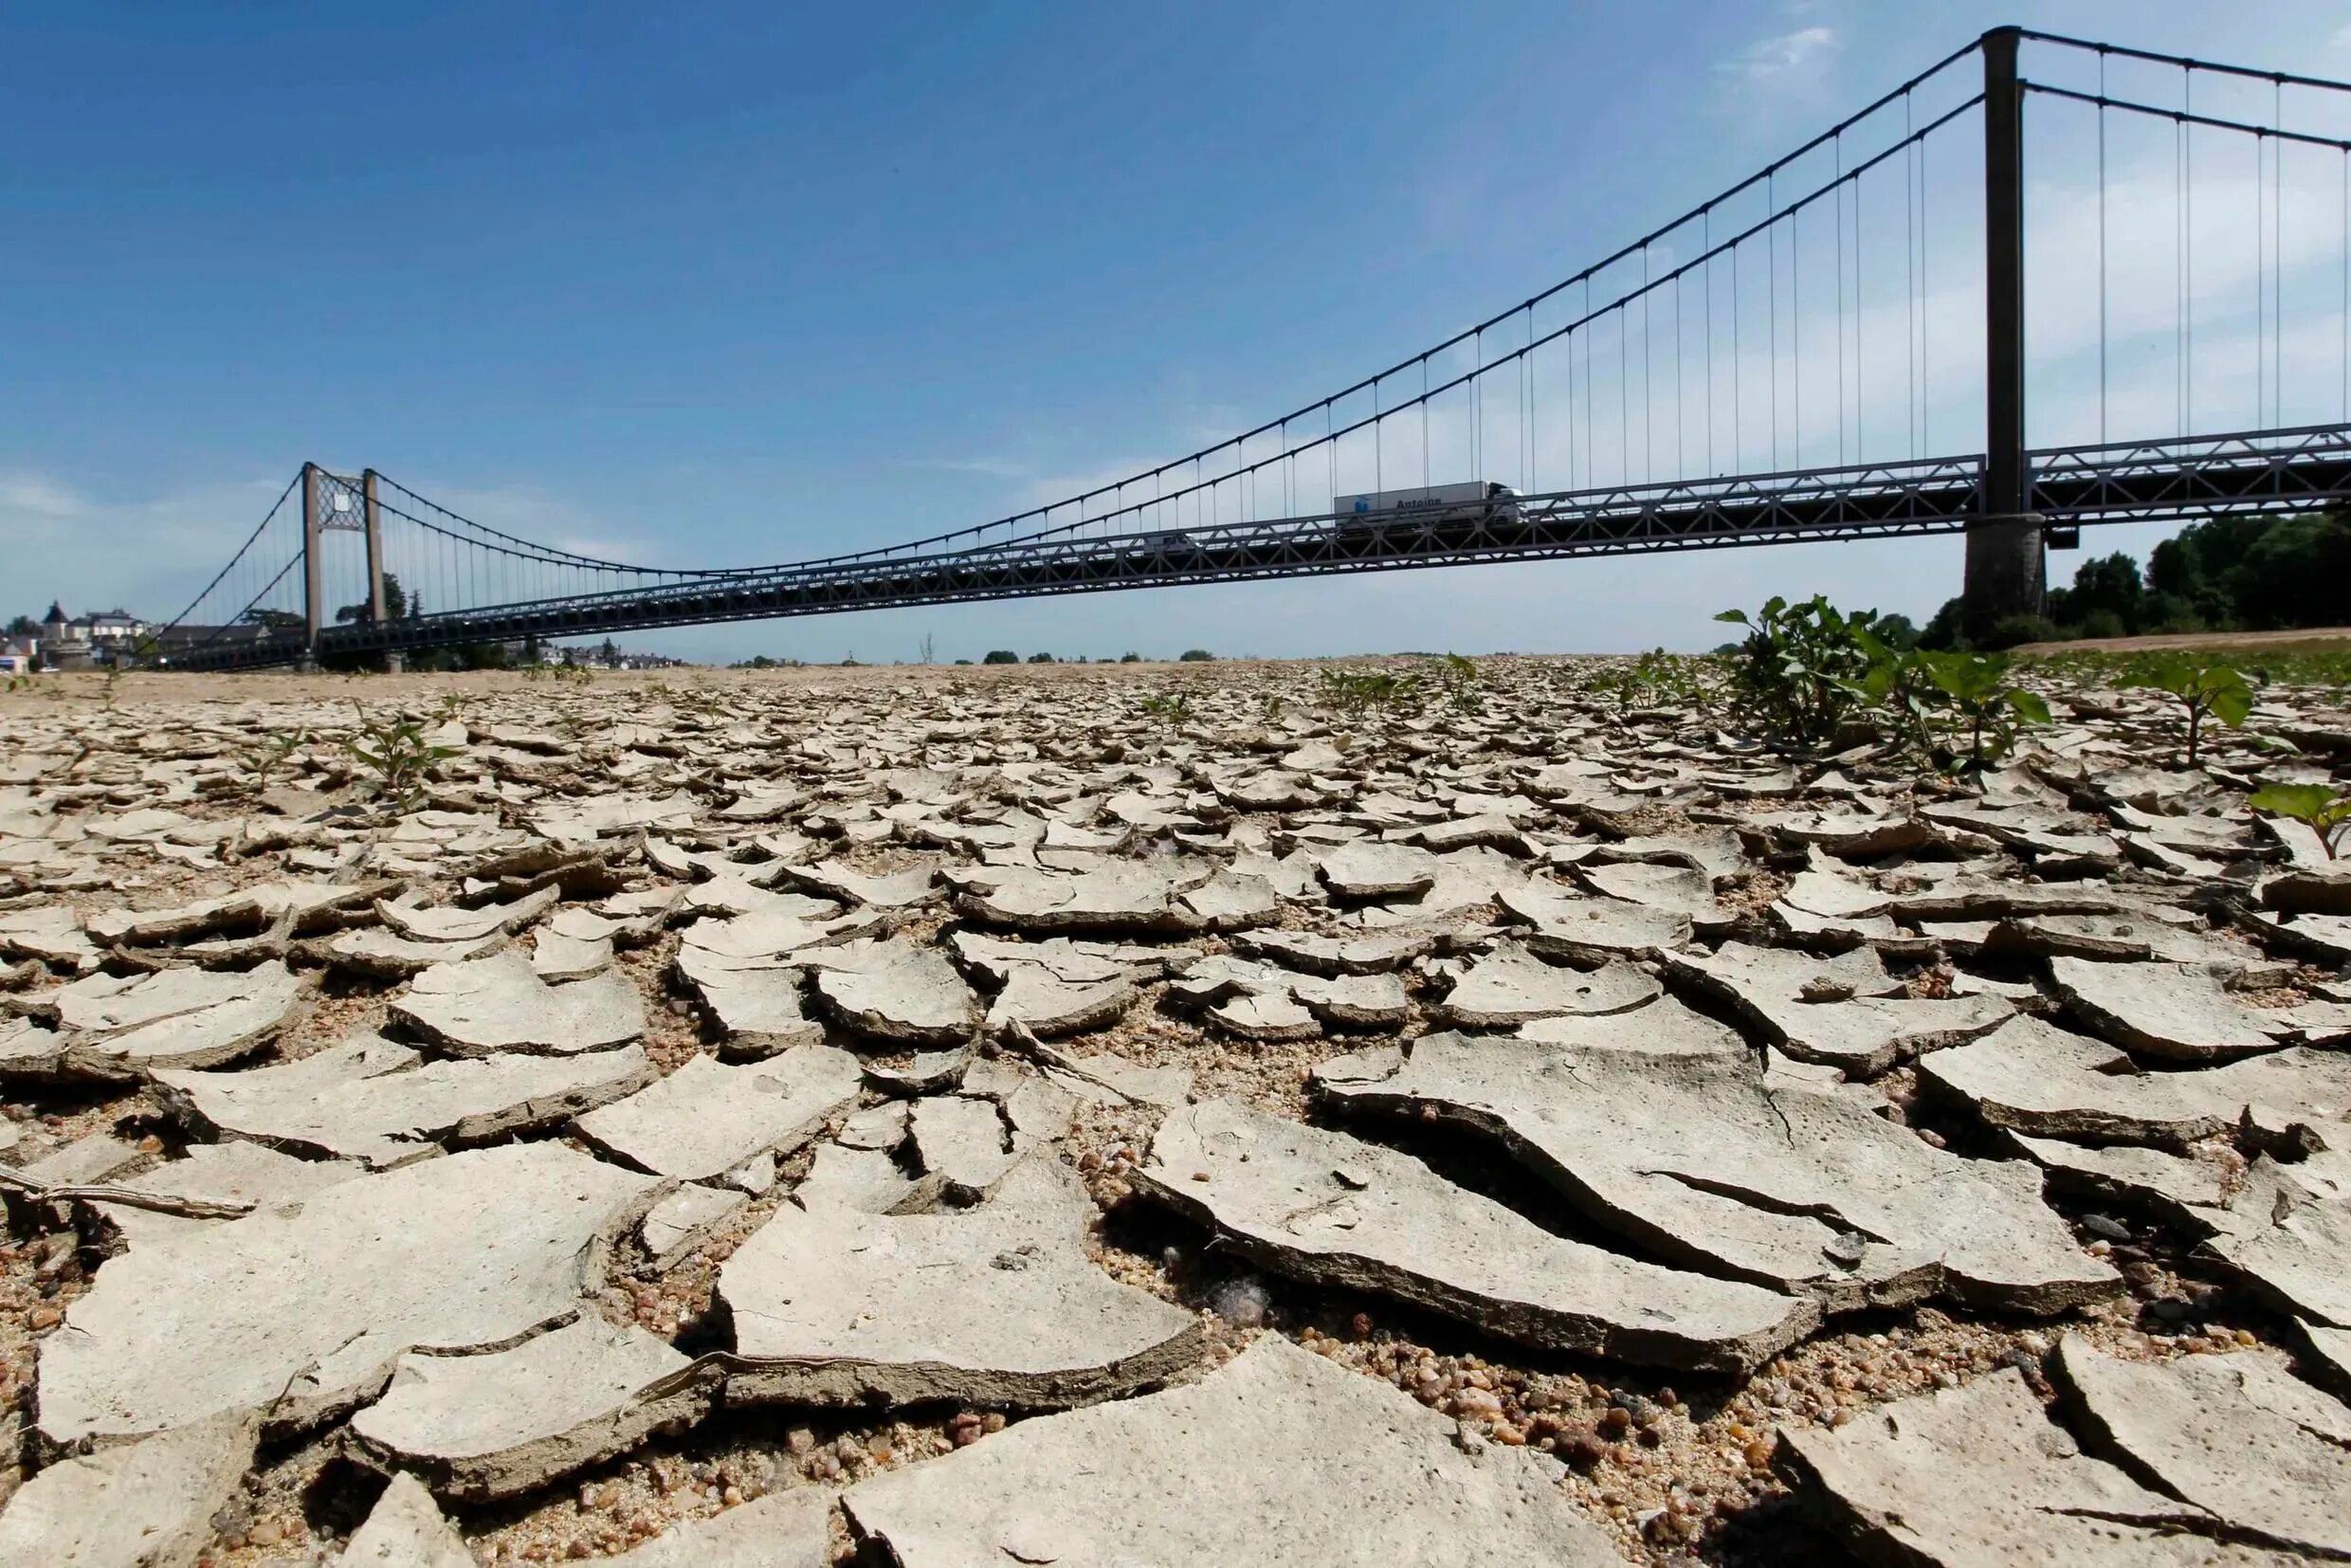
[[2005, 560]]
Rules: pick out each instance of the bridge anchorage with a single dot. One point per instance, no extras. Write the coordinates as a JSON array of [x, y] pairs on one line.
[[1834, 348]]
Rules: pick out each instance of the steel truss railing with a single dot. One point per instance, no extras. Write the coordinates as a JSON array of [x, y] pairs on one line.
[[2305, 469]]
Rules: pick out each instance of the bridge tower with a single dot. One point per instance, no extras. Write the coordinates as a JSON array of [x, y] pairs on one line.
[[2005, 558], [373, 511], [314, 578]]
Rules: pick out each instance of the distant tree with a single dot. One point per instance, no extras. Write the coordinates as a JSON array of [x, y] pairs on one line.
[[608, 653], [276, 620], [24, 626], [483, 656], [1130, 657], [1001, 656], [1896, 631], [2108, 586], [532, 652], [395, 603], [963, 661], [1041, 658], [1198, 656]]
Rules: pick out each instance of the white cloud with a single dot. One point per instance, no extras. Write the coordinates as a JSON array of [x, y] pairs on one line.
[[1769, 59]]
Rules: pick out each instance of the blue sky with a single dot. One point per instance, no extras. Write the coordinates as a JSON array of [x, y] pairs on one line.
[[730, 284]]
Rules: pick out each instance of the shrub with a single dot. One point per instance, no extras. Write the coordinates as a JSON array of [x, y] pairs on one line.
[[1001, 656], [2010, 630], [1798, 673], [1041, 658], [2202, 684], [1198, 656], [1130, 657], [2328, 812]]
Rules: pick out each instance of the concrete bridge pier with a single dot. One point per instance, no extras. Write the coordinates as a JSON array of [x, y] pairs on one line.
[[2004, 549]]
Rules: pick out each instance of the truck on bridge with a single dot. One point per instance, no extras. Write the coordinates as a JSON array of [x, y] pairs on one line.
[[1473, 500]]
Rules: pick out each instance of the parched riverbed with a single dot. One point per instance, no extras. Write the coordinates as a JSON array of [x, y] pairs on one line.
[[1160, 1114]]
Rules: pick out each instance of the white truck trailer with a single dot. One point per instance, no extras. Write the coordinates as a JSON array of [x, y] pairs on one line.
[[1470, 501]]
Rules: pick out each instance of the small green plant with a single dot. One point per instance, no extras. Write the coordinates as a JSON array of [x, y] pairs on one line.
[[1171, 708], [397, 755], [1988, 708], [1800, 672], [2204, 685], [1459, 680], [263, 762], [1354, 692], [2328, 814]]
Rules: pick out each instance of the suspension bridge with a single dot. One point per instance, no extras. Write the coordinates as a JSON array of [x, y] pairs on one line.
[[1838, 347]]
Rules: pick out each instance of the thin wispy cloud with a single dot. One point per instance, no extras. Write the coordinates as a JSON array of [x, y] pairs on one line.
[[1769, 60], [995, 468]]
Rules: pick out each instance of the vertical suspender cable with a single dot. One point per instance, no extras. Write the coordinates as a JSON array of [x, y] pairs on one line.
[[1909, 275], [1771, 293], [1707, 230], [1840, 292], [2102, 436]]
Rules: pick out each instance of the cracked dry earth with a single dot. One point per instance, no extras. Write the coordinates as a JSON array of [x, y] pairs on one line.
[[965, 1118]]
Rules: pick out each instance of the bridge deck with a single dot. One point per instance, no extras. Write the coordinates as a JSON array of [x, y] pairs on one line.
[[2300, 470]]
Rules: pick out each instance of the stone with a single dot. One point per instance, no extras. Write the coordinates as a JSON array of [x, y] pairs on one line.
[[1115, 896], [2184, 1192], [1665, 1027], [1509, 986], [897, 991], [1676, 890], [434, 924], [705, 1118], [1844, 1011], [51, 932], [381, 1104], [965, 1142], [906, 889], [676, 1227], [2032, 1077], [500, 1004], [87, 1159], [1228, 902], [1267, 1018], [1367, 870], [2326, 938], [1305, 1462], [1335, 956], [2236, 1435], [868, 1180], [143, 1505], [2288, 1232], [558, 958], [1113, 1080], [1978, 1477], [1586, 931], [1706, 1164], [996, 1305], [2177, 1013], [481, 1427], [174, 1019], [386, 956], [1354, 1001], [406, 1529], [785, 1530], [2118, 939], [1335, 1211], [236, 1172], [759, 1012], [301, 1310]]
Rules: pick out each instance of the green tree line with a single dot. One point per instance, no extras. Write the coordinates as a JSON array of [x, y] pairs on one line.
[[2237, 574]]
